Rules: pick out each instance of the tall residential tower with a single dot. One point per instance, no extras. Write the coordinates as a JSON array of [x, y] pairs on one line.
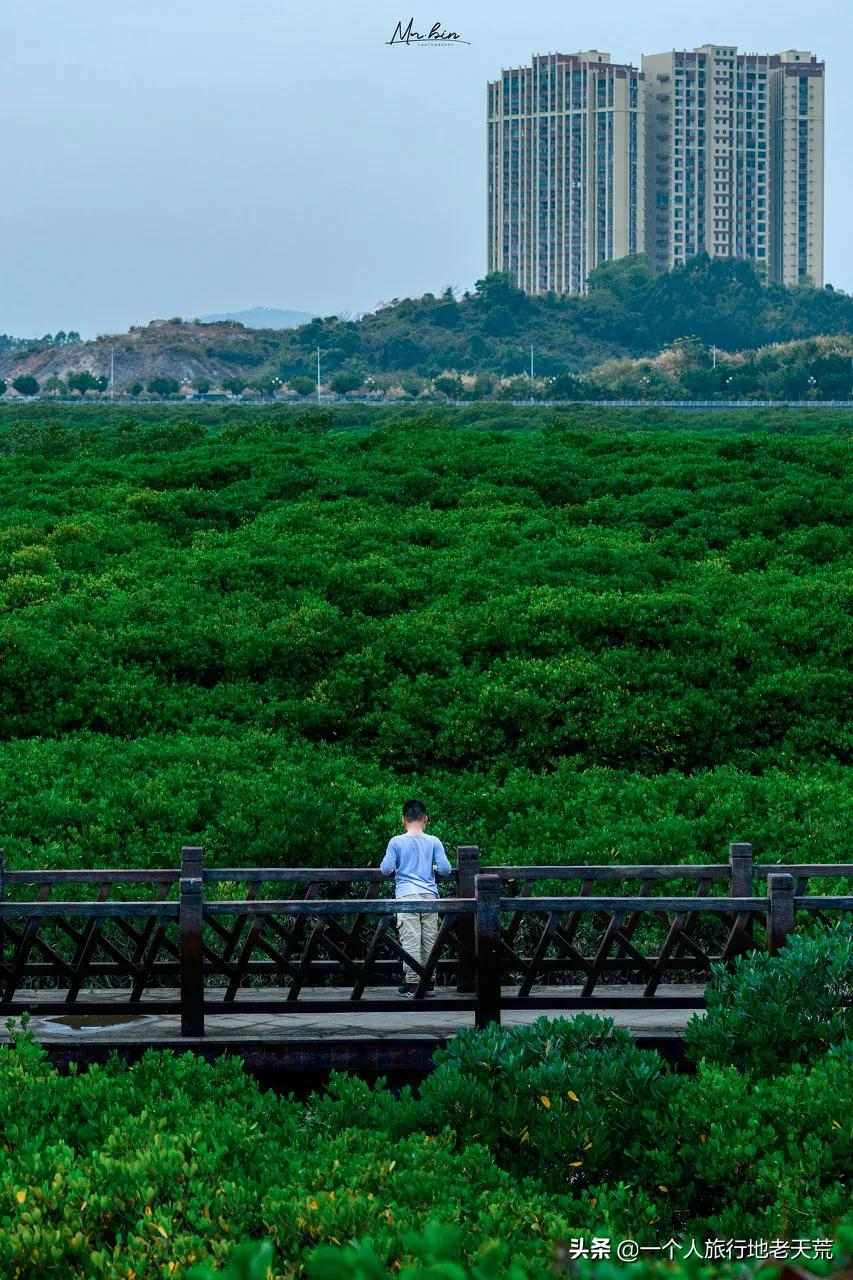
[[734, 159], [565, 169], [705, 150], [796, 115]]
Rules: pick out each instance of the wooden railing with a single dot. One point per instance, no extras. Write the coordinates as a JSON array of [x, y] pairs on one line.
[[199, 940]]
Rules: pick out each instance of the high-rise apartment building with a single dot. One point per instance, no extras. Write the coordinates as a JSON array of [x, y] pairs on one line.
[[704, 150], [708, 150], [565, 169], [796, 211], [734, 159]]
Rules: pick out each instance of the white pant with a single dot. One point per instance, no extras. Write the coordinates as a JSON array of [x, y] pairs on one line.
[[418, 933]]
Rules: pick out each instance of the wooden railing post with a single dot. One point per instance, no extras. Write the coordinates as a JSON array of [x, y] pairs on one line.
[[192, 980], [740, 863], [780, 917], [468, 867], [487, 930], [740, 886]]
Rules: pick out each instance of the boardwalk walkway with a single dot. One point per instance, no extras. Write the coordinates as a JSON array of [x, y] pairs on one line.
[[296, 968], [316, 1042]]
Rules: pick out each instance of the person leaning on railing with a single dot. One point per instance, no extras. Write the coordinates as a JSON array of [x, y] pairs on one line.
[[414, 859]]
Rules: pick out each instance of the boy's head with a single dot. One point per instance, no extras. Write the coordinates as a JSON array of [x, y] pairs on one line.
[[415, 816]]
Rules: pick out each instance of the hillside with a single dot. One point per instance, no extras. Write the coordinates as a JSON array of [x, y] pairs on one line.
[[629, 313], [163, 348]]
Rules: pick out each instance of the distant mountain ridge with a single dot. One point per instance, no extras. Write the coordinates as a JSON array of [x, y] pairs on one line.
[[262, 318]]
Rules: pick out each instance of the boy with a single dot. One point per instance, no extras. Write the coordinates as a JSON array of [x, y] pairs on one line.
[[414, 859]]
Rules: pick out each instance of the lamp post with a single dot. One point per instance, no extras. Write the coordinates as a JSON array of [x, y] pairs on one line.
[[318, 375]]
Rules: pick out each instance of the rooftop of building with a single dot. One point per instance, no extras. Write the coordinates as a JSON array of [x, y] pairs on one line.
[[583, 57], [596, 57], [729, 51]]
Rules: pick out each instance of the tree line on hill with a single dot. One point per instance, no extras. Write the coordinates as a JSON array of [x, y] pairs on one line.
[[629, 311], [819, 369], [58, 339], [478, 345]]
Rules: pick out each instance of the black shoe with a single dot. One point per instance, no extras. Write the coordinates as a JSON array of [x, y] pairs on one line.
[[408, 990], [430, 991]]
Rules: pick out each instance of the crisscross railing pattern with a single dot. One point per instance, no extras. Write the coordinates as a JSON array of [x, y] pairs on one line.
[[199, 940], [105, 942]]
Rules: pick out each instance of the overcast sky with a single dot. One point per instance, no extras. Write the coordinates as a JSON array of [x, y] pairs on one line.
[[180, 157]]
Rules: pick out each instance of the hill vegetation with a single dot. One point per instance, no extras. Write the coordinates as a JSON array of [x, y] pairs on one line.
[[806, 369], [629, 313]]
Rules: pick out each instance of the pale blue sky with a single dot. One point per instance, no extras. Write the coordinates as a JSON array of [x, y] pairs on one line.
[[179, 157]]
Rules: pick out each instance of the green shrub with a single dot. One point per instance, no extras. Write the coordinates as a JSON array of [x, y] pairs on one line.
[[434, 1255], [770, 1011], [249, 1261], [348, 1102], [574, 1101], [164, 1165], [769, 1157], [170, 1161]]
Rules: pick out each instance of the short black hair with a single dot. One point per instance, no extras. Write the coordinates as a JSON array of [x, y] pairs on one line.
[[414, 811]]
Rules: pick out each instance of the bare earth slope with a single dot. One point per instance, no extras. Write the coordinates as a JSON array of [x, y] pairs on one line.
[[160, 349]]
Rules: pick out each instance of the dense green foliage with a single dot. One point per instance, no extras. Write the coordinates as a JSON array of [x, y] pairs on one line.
[[767, 1012], [580, 644], [521, 1141]]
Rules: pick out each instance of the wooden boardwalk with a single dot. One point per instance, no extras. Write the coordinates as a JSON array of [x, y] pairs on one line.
[[309, 1042], [295, 969]]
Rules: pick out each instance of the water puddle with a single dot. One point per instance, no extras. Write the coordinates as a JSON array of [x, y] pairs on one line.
[[87, 1023]]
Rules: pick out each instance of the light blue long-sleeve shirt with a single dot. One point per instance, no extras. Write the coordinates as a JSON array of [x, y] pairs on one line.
[[415, 859]]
